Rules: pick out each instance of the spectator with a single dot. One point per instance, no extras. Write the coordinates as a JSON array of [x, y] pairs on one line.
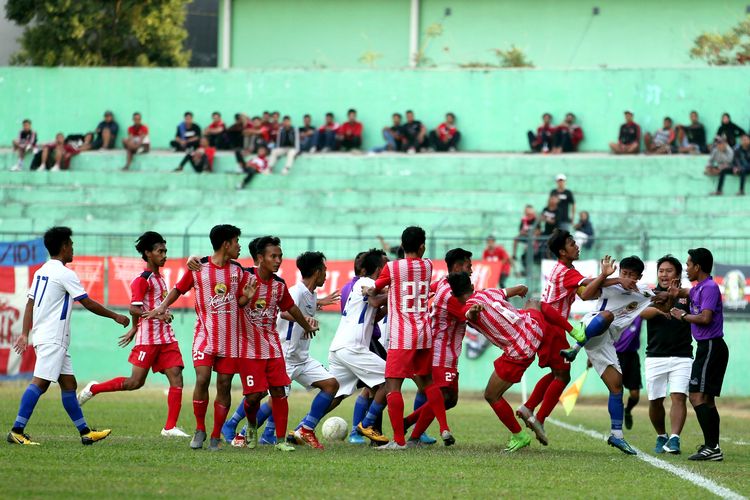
[[137, 140], [258, 165], [216, 132], [58, 154], [266, 118], [287, 143], [566, 212], [256, 135], [721, 157], [568, 135], [349, 135], [273, 129], [415, 134], [629, 140], [729, 130], [187, 136], [308, 135], [741, 165], [496, 253], [235, 132], [25, 142], [80, 142], [106, 132], [525, 228], [549, 215], [202, 159], [393, 136], [327, 134], [396, 250], [542, 141], [661, 142], [692, 138], [584, 231], [446, 136]]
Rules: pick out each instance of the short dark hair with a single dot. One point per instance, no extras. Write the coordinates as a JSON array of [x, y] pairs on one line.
[[329, 114], [188, 113], [137, 113], [451, 115], [409, 111], [667, 118], [397, 114], [372, 260], [55, 238], [672, 260], [265, 242], [26, 120], [412, 238], [547, 114], [460, 283], [275, 113], [147, 241], [351, 110], [693, 111], [456, 255], [222, 233], [237, 116], [306, 115], [310, 262], [256, 117], [358, 263], [286, 117], [633, 263], [252, 248], [557, 240], [216, 113], [703, 258]]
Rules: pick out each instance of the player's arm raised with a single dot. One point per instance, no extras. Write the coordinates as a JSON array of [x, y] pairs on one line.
[[516, 291], [28, 318], [591, 288], [98, 309]]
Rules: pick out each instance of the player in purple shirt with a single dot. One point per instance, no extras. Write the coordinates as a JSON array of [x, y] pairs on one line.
[[706, 320], [627, 354]]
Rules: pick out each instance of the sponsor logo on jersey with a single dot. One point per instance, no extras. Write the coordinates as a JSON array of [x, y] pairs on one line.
[[260, 304], [220, 289], [632, 306]]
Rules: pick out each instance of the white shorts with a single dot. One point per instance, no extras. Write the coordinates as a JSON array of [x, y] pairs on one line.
[[350, 365], [307, 373], [672, 371], [52, 360], [601, 353]]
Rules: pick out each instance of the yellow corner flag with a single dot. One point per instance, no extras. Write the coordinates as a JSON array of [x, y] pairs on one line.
[[570, 396]]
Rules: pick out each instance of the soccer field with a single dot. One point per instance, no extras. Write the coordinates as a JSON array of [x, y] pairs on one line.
[[136, 462]]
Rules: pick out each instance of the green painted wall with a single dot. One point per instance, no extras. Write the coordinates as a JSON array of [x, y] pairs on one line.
[[494, 108]]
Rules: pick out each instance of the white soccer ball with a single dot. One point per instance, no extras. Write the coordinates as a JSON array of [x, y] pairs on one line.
[[335, 429]]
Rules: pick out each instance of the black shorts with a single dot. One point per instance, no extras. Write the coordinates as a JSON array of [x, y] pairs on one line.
[[709, 366], [630, 364]]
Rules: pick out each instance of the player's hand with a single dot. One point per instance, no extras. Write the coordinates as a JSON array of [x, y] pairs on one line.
[[629, 284], [473, 313], [124, 340], [522, 290], [676, 313], [608, 266], [194, 263], [330, 299], [313, 328], [122, 320], [250, 288], [157, 313], [20, 344], [369, 291], [674, 289]]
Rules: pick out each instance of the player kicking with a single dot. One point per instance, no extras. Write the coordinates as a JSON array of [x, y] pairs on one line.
[[410, 335], [53, 290], [155, 344]]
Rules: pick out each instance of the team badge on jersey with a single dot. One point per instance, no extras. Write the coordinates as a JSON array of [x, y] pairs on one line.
[[632, 306], [260, 304], [220, 289], [234, 278]]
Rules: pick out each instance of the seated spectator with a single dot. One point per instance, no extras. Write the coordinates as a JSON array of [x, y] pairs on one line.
[[80, 142], [567, 136], [629, 140], [25, 142], [740, 166], [541, 142], [446, 136], [256, 134], [234, 133], [393, 135], [266, 118], [496, 253], [188, 135], [349, 134], [722, 157], [137, 140], [106, 132], [273, 129], [308, 135], [691, 138], [216, 132], [258, 165], [202, 159], [584, 231], [729, 130], [327, 134], [661, 142], [56, 155], [287, 143], [525, 228], [415, 134]]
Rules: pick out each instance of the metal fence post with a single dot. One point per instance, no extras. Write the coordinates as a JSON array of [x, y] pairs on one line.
[[644, 245]]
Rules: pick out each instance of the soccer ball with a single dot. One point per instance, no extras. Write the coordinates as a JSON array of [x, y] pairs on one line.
[[335, 429]]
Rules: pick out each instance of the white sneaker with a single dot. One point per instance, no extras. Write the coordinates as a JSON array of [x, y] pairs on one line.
[[285, 171], [174, 432], [391, 446], [55, 168], [239, 441], [86, 393], [16, 168]]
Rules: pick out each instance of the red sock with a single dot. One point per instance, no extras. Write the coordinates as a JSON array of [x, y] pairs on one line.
[[413, 417], [280, 412], [109, 386], [553, 317], [199, 409], [220, 416], [437, 405], [425, 419], [551, 397], [251, 412], [174, 403], [395, 403], [535, 399], [505, 413]]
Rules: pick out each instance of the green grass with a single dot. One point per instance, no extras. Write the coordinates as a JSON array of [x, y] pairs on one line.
[[136, 462]]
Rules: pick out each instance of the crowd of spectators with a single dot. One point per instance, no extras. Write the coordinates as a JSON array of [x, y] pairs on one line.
[[563, 138]]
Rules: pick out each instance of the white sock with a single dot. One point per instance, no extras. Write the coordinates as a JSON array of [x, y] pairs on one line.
[[662, 436], [674, 436], [617, 433]]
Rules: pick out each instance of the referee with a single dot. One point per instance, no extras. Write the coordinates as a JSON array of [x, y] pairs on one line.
[[712, 355]]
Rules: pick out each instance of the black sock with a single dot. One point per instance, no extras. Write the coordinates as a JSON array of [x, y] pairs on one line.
[[702, 412], [18, 430], [712, 437], [631, 404], [84, 431]]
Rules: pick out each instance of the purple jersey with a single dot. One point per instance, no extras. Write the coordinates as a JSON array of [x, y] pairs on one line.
[[630, 339], [345, 291], [706, 295]]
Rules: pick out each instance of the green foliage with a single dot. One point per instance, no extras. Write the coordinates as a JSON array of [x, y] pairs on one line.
[[100, 33], [513, 58], [722, 49]]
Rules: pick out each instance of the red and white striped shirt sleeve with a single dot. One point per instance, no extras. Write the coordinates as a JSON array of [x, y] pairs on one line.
[[138, 289]]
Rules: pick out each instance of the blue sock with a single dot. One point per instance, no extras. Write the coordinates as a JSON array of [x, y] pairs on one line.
[[28, 401], [419, 400], [360, 409], [597, 326], [616, 411], [318, 408], [372, 414], [269, 433], [237, 417], [264, 413], [70, 403]]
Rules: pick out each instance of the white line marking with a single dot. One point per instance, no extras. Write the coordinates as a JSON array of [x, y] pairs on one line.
[[696, 479], [738, 443]]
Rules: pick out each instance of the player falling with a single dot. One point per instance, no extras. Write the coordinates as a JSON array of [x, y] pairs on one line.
[[155, 344]]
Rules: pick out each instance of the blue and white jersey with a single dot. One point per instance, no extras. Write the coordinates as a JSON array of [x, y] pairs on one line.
[[296, 348], [625, 305], [357, 320]]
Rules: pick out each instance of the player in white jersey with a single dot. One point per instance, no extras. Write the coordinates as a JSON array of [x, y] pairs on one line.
[[53, 290]]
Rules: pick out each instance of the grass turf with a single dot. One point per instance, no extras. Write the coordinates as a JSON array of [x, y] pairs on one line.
[[136, 462]]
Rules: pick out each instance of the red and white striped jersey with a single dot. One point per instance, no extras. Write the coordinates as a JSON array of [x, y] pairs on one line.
[[560, 290], [217, 291], [148, 290], [408, 314], [512, 330], [260, 340], [448, 330]]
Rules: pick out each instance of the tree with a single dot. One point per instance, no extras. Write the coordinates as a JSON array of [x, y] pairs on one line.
[[100, 33], [721, 49]]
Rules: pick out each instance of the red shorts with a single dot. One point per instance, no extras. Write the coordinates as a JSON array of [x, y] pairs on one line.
[[445, 377], [553, 342], [511, 369], [158, 357], [220, 364], [257, 375], [406, 363]]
